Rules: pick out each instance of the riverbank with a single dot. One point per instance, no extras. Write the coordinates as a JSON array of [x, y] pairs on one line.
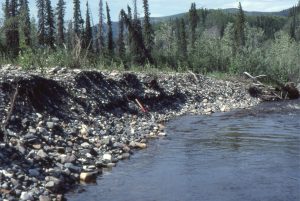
[[66, 125]]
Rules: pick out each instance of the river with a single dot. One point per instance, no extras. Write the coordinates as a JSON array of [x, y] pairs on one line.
[[248, 155]]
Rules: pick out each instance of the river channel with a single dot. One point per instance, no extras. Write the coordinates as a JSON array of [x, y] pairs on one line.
[[247, 155]]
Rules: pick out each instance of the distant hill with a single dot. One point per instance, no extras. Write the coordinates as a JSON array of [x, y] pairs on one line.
[[283, 13]]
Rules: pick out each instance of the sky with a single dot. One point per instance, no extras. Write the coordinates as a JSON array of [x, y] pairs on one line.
[[160, 8]]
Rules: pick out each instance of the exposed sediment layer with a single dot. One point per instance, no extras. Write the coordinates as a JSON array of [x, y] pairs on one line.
[[66, 125]]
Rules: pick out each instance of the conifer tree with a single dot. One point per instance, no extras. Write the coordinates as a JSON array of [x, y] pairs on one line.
[[183, 39], [88, 36], [12, 27], [60, 13], [193, 19], [41, 22], [25, 23], [121, 43], [70, 35], [136, 44], [148, 30], [130, 37], [135, 12], [140, 54], [239, 29], [50, 27], [293, 14], [110, 42], [7, 21], [100, 37], [77, 19]]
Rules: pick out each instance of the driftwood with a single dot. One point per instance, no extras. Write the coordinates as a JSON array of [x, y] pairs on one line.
[[279, 92], [3, 129]]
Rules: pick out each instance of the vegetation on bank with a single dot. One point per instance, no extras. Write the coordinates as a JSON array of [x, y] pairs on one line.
[[202, 40]]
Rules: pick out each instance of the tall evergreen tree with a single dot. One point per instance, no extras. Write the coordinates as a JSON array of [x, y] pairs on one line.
[[193, 19], [293, 14], [41, 22], [60, 15], [136, 44], [100, 37], [130, 37], [50, 27], [148, 30], [239, 28], [121, 43], [12, 27], [25, 23], [140, 53], [70, 35], [135, 12], [88, 34], [183, 40], [7, 20], [110, 42], [77, 19]]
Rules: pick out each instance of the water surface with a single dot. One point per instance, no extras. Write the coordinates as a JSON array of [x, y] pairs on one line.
[[249, 155]]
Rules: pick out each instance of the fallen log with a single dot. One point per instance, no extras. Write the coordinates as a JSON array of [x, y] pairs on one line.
[[267, 93]]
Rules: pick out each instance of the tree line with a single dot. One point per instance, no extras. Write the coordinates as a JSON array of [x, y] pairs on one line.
[[51, 32]]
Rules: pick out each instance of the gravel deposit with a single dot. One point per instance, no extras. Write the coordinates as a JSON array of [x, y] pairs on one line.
[[67, 125]]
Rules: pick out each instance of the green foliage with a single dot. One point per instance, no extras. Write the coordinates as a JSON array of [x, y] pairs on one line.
[[283, 58]]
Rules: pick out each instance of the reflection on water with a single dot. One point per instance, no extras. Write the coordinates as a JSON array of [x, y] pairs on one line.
[[249, 155]]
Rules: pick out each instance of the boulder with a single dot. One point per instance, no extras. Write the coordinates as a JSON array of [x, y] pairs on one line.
[[26, 196], [107, 157], [44, 198], [138, 145], [88, 176]]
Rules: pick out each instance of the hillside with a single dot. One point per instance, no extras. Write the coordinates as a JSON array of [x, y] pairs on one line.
[[156, 20]]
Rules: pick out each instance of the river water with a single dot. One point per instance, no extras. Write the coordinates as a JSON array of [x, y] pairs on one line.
[[247, 155]]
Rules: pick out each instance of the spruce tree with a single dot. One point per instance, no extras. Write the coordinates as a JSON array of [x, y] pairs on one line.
[[110, 42], [25, 23], [60, 15], [137, 43], [100, 37], [239, 28], [183, 40], [7, 20], [50, 27], [121, 43], [88, 36], [77, 19], [135, 12], [12, 27], [41, 22], [148, 30], [70, 35], [140, 54], [193, 19], [293, 14]]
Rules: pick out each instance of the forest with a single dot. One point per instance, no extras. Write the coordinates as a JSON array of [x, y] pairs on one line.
[[201, 40]]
